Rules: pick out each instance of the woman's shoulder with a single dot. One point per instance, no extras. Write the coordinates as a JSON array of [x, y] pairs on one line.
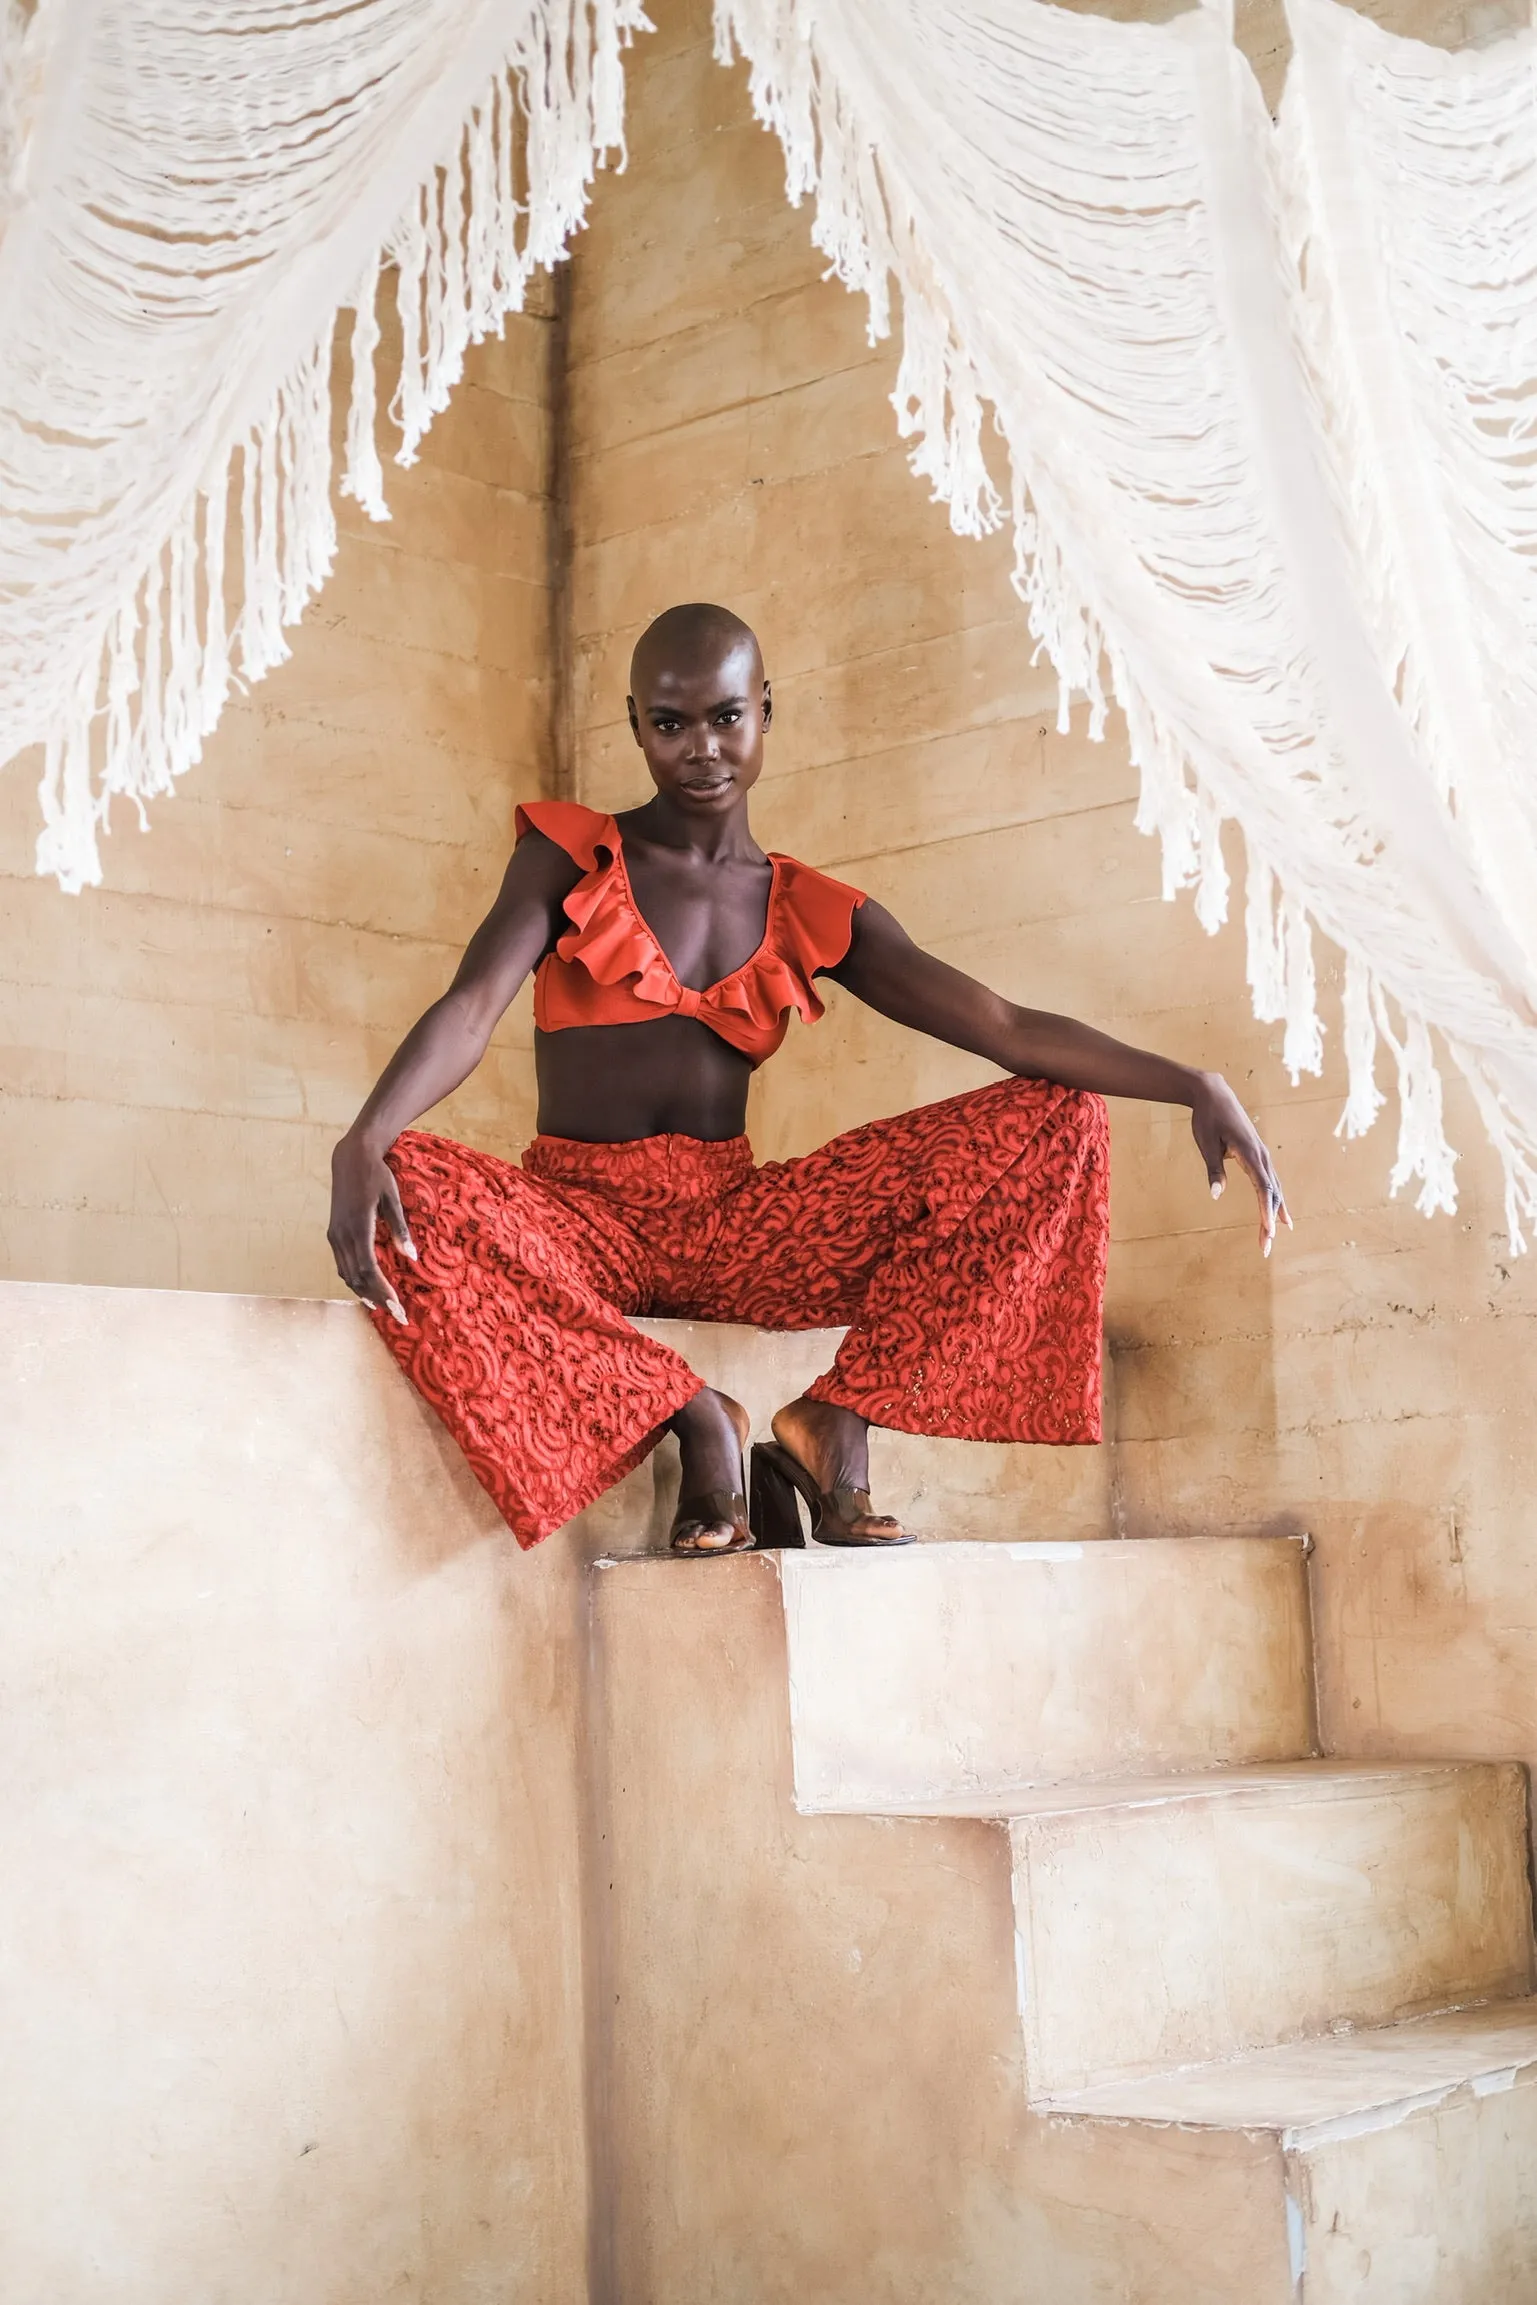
[[806, 884], [815, 913], [587, 835]]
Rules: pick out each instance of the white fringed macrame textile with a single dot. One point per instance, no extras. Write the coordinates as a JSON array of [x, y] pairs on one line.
[[189, 192], [1256, 402], [1265, 403]]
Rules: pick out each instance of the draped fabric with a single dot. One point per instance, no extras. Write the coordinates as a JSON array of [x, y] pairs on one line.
[[1263, 397], [192, 189], [1261, 510]]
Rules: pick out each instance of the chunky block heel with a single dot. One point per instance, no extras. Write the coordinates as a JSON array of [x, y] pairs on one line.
[[773, 1514], [779, 1479]]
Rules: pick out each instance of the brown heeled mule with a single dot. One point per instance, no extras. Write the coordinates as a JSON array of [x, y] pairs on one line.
[[711, 1506], [779, 1479]]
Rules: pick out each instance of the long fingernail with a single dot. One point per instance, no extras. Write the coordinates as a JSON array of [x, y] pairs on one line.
[[1216, 1190], [397, 1313], [1269, 1243], [408, 1248]]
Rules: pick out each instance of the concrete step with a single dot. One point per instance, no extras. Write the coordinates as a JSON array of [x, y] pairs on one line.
[[1400, 2163], [966, 1673], [840, 1990], [1169, 1926]]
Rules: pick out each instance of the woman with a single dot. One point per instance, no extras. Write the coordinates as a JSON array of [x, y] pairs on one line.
[[964, 1243]]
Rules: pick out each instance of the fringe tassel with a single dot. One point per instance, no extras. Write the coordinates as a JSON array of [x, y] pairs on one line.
[[1423, 1151], [66, 846], [216, 663], [1516, 1146], [362, 473], [1267, 953], [1365, 1100], [408, 409], [1302, 1049], [1212, 883]]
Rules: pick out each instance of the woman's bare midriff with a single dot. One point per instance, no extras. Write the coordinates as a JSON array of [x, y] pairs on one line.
[[612, 1083]]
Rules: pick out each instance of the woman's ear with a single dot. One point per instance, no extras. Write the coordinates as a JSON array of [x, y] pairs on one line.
[[629, 706], [768, 703]]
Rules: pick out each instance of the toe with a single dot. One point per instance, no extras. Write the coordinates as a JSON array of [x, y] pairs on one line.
[[705, 1537]]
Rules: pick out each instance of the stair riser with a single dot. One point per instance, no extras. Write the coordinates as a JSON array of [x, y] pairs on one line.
[[958, 1674], [1192, 1930], [1434, 2206], [1440, 2209]]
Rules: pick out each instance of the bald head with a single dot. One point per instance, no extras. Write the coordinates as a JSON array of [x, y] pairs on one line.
[[694, 638], [699, 706]]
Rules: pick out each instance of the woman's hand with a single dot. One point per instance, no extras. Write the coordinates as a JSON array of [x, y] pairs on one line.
[[1221, 1129], [362, 1189]]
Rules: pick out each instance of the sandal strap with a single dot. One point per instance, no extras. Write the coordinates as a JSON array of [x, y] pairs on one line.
[[710, 1505]]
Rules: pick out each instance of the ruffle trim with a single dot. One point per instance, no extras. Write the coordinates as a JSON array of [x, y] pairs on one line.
[[809, 926]]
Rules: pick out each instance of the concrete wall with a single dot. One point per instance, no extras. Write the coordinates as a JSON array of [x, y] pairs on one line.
[[290, 1893], [733, 439], [180, 1048]]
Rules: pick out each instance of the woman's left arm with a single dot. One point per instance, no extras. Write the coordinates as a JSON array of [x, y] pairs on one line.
[[888, 972]]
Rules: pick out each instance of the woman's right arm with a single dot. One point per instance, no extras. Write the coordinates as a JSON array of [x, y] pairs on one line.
[[442, 1049]]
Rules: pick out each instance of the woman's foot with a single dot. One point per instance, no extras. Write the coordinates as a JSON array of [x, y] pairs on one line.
[[833, 1444], [712, 1503]]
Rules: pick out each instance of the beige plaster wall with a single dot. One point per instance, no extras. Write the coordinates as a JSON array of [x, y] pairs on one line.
[[179, 1048], [293, 1823], [733, 439]]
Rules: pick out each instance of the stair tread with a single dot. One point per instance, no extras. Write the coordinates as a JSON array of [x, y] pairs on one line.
[[995, 1552], [1255, 1783], [1343, 2083], [1028, 1551]]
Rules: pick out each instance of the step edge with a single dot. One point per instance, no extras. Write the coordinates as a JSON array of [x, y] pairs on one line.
[[1308, 2137], [1045, 1550], [1493, 2081], [1488, 2076], [1316, 1777], [1032, 1551], [1326, 1778]]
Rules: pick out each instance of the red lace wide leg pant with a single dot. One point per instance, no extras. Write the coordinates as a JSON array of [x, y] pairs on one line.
[[963, 1244]]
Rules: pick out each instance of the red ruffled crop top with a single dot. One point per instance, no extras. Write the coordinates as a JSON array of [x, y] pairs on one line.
[[608, 968]]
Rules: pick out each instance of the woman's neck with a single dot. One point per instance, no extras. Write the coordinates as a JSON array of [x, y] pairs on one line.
[[719, 835]]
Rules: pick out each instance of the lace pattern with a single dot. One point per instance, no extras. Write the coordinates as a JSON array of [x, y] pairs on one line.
[[963, 1243]]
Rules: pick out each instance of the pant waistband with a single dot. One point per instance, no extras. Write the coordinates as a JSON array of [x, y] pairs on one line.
[[661, 1168]]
